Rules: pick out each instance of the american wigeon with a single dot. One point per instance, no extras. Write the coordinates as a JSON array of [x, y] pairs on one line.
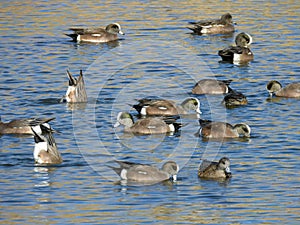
[[212, 86], [76, 92], [215, 170], [210, 129], [45, 149], [240, 53], [150, 125], [289, 91], [218, 26], [96, 35], [234, 98], [146, 173], [23, 126], [163, 107]]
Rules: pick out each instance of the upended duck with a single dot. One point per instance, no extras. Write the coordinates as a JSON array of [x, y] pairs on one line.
[[45, 149], [76, 92]]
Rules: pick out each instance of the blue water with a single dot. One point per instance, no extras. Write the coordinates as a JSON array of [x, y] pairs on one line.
[[157, 57]]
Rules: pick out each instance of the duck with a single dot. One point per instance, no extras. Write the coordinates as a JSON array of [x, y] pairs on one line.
[[76, 92], [223, 25], [240, 53], [212, 86], [96, 35], [149, 125], [212, 129], [45, 149], [146, 173], [215, 170], [291, 90], [23, 126], [164, 107], [234, 99]]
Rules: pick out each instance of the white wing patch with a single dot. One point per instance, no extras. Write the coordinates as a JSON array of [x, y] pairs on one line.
[[96, 35], [162, 108], [151, 127], [142, 172]]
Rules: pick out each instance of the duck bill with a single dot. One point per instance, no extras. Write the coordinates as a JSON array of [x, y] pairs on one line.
[[117, 124], [271, 94], [228, 172], [174, 177], [121, 32], [244, 102], [228, 175], [247, 135], [198, 111]]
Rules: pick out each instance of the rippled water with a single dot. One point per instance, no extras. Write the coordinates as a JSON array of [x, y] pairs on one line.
[[156, 57]]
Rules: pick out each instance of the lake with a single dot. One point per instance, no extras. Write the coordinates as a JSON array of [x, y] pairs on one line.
[[158, 57]]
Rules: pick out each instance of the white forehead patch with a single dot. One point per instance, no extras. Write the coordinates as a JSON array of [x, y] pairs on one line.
[[96, 35], [118, 25]]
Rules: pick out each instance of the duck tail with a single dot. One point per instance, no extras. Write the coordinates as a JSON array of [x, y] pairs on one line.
[[137, 107], [203, 123], [73, 36], [230, 90], [177, 126], [194, 29], [227, 82], [116, 169]]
